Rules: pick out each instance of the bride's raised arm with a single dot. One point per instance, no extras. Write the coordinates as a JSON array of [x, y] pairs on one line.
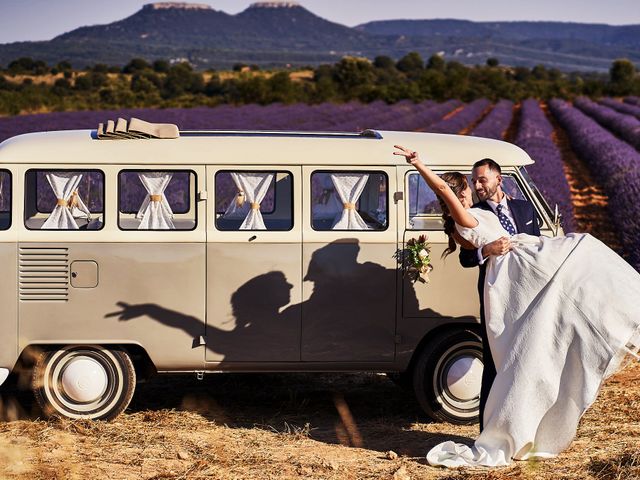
[[440, 187]]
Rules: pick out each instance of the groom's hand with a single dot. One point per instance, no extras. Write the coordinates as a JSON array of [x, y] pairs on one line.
[[497, 247]]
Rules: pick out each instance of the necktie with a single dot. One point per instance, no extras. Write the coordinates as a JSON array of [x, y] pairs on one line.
[[504, 221]]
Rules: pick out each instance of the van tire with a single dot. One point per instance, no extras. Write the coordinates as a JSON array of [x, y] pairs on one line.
[[439, 363], [83, 382]]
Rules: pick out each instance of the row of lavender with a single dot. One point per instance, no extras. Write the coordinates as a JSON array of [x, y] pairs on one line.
[[535, 136], [615, 162]]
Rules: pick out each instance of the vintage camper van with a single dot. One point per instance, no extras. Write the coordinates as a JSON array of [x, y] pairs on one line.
[[227, 251]]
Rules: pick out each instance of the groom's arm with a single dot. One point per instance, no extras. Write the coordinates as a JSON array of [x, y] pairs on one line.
[[472, 258]]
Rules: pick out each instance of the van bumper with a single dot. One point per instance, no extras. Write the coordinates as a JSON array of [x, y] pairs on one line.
[[4, 373]]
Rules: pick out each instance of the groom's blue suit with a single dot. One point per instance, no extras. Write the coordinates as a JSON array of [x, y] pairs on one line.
[[526, 221]]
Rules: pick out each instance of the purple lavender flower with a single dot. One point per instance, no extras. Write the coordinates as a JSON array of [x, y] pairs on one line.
[[621, 107], [625, 126], [535, 137], [496, 123], [463, 119], [617, 166]]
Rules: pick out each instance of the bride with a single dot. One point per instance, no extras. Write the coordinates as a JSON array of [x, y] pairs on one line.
[[561, 314]]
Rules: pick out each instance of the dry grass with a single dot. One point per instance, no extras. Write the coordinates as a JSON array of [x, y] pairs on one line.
[[293, 426]]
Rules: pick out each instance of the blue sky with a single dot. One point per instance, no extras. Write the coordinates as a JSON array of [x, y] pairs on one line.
[[44, 19]]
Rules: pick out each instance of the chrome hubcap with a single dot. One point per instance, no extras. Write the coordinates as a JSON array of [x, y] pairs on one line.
[[84, 380], [464, 378]]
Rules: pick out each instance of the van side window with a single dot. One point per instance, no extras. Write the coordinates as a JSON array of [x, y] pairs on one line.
[[254, 200], [349, 200], [156, 200], [5, 199], [424, 209], [64, 200]]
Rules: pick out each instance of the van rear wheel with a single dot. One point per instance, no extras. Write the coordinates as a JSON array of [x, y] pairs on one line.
[[83, 381], [448, 375]]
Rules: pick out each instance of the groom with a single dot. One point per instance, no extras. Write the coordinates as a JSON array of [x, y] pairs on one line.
[[516, 216]]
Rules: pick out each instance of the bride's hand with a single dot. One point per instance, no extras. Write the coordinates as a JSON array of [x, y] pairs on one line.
[[409, 155]]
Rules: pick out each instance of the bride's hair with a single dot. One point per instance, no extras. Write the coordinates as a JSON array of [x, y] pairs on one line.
[[458, 183]]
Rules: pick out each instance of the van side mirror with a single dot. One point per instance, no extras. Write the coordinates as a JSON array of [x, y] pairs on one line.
[[556, 220]]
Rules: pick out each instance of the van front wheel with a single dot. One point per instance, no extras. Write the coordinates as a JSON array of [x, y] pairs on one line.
[[447, 377], [83, 381]]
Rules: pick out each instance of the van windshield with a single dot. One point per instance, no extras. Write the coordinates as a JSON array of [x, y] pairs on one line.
[[527, 178]]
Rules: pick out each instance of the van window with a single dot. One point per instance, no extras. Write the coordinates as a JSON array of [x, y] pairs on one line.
[[64, 199], [511, 187], [254, 200], [349, 200], [156, 200], [5, 199], [424, 209]]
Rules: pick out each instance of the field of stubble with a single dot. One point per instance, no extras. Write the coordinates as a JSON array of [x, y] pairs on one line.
[[240, 426]]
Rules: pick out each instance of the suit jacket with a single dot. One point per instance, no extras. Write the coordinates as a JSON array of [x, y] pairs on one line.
[[526, 221]]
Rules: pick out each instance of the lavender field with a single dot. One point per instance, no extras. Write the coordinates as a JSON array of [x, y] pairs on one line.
[[604, 136]]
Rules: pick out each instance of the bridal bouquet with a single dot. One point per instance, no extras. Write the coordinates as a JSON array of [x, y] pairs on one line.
[[416, 259]]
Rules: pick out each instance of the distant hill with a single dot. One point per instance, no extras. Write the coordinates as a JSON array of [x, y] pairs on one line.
[[278, 33], [599, 34]]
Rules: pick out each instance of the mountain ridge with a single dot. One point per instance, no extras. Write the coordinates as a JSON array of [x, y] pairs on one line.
[[278, 33]]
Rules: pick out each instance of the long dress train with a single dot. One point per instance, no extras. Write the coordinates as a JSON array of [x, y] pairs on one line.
[[561, 314]]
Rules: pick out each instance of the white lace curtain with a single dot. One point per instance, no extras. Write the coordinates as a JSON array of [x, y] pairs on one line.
[[349, 187], [69, 205], [252, 188], [155, 212]]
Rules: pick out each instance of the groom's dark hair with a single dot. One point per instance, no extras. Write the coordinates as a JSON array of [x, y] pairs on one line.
[[488, 162]]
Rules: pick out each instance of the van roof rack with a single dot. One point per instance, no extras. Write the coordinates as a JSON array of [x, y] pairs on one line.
[[135, 128], [277, 133]]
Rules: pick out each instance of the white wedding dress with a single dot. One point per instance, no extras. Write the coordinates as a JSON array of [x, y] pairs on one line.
[[561, 314]]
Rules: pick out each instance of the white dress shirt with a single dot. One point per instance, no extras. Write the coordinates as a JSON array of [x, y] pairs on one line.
[[507, 212]]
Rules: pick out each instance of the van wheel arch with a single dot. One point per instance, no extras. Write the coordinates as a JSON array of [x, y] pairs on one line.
[[404, 379], [144, 366], [474, 327]]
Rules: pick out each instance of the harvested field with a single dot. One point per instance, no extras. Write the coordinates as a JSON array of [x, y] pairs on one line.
[[293, 426]]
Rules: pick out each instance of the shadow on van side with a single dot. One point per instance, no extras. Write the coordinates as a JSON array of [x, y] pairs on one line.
[[349, 316]]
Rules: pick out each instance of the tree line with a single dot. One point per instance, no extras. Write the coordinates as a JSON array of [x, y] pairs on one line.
[[28, 85]]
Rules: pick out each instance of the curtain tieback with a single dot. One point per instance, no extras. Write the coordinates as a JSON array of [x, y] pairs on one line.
[[240, 198], [155, 198], [72, 202], [349, 206], [255, 206]]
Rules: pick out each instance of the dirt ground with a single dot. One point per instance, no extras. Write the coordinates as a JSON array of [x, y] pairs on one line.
[[338, 426]]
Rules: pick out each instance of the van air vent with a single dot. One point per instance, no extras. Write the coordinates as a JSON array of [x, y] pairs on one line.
[[44, 274]]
